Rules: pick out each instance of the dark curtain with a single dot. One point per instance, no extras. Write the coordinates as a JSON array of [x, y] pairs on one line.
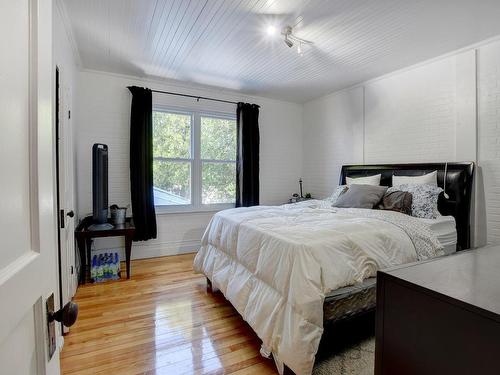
[[247, 158], [141, 163]]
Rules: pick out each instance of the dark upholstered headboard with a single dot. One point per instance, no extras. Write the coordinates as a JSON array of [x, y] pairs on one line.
[[458, 187]]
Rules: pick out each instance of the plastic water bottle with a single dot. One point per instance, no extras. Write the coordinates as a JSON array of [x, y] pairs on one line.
[[109, 266], [114, 266], [117, 261], [104, 267], [93, 269], [100, 269]]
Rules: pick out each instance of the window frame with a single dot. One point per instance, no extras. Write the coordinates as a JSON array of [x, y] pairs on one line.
[[196, 161]]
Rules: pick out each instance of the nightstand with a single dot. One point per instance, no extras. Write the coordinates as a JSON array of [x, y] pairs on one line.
[[299, 200], [84, 238]]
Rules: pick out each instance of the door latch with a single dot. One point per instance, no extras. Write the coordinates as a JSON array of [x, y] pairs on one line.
[[61, 219]]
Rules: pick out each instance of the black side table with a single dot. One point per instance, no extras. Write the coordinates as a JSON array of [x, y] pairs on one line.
[[84, 241]]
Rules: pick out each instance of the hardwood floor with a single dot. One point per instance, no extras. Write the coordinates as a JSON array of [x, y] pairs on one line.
[[161, 321]]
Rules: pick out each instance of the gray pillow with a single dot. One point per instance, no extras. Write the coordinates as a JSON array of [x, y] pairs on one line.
[[361, 196], [395, 200]]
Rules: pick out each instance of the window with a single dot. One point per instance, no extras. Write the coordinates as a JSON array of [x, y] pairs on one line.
[[194, 160]]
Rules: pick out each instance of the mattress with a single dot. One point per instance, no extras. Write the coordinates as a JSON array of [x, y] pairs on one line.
[[444, 228], [349, 301], [346, 302]]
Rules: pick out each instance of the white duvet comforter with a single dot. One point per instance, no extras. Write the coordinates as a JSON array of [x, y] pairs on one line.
[[275, 265]]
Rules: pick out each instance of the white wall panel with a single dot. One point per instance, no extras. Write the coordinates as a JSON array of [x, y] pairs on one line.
[[333, 136], [410, 116], [103, 115], [489, 139], [422, 114]]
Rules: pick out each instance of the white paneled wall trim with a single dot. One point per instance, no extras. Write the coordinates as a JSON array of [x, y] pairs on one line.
[[445, 109], [150, 249]]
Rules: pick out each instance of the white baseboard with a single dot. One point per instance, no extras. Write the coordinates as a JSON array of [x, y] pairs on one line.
[[143, 250]]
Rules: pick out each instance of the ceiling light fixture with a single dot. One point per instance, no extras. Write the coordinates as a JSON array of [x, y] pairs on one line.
[[271, 30], [291, 39]]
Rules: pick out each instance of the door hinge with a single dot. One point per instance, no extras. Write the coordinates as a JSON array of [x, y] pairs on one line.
[[69, 114], [62, 218]]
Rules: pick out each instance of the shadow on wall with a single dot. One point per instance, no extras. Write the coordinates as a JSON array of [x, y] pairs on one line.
[[480, 233]]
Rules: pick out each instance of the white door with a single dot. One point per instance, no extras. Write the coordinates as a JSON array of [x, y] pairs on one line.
[[28, 248], [69, 279]]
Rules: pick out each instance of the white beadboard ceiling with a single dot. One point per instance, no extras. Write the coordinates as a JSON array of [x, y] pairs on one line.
[[222, 42]]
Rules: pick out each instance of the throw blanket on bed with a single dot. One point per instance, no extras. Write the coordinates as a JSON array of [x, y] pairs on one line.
[[275, 265]]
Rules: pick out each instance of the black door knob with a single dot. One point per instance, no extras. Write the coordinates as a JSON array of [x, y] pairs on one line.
[[67, 315], [70, 214]]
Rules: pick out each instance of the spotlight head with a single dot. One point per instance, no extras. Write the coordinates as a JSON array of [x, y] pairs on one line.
[[287, 30], [288, 42]]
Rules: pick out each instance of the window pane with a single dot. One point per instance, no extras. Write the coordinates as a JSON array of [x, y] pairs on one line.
[[172, 182], [171, 135], [218, 183], [218, 139]]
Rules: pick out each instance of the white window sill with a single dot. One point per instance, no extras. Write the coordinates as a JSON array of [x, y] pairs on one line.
[[167, 210]]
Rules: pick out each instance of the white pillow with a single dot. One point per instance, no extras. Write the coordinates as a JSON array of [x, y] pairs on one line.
[[370, 180], [426, 179]]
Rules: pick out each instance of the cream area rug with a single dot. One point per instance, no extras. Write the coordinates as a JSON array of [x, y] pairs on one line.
[[358, 359], [347, 348]]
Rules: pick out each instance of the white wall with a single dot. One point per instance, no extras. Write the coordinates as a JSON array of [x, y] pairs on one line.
[[103, 115], [489, 140], [333, 136], [435, 111], [413, 116]]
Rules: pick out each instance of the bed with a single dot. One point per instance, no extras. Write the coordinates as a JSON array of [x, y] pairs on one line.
[[289, 270]]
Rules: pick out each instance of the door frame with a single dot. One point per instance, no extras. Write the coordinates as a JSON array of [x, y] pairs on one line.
[[63, 148], [59, 216]]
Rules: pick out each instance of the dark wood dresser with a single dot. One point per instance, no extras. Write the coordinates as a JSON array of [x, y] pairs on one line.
[[441, 316]]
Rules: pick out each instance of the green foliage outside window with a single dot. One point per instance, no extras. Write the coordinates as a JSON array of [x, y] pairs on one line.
[[219, 183], [218, 139], [172, 139], [171, 135]]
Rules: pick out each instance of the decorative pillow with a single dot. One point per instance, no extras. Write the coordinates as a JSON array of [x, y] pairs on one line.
[[370, 180], [424, 199], [396, 200], [341, 189], [361, 196], [426, 179]]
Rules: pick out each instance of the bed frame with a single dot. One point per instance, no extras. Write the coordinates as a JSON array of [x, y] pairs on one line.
[[346, 303], [459, 179]]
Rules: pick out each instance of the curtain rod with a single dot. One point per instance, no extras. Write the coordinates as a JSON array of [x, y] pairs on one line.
[[194, 96]]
